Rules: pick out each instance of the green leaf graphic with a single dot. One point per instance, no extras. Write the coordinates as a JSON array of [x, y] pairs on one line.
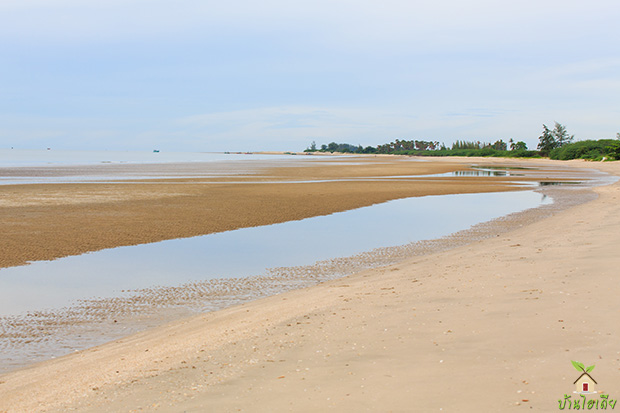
[[589, 369], [579, 366]]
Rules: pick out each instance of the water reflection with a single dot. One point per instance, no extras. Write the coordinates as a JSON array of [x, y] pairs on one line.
[[249, 251], [480, 172], [555, 183], [146, 285], [506, 168]]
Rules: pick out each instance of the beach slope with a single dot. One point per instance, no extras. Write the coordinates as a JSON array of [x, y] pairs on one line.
[[490, 326]]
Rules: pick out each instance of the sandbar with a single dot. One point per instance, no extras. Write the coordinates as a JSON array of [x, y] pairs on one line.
[[48, 221]]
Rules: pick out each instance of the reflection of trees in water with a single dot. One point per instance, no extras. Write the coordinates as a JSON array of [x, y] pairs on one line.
[[555, 183], [480, 173]]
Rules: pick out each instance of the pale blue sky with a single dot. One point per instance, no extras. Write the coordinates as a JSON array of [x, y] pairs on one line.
[[192, 75]]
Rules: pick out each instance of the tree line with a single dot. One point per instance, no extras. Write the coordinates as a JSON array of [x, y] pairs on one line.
[[555, 143]]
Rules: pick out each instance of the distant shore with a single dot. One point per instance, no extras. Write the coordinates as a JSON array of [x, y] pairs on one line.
[[511, 311]]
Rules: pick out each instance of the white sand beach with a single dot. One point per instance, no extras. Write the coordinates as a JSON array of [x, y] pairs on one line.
[[489, 326]]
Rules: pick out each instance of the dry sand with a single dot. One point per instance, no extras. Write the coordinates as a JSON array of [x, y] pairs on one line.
[[490, 326]]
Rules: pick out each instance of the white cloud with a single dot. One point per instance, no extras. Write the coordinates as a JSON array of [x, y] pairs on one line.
[[359, 71]]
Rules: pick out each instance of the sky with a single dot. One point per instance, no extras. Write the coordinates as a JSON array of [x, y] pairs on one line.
[[202, 75]]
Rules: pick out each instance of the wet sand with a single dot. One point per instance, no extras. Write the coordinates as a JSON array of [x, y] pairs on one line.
[[47, 221], [510, 311]]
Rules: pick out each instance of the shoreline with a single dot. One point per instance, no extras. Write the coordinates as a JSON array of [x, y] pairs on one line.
[[48, 221], [233, 324], [38, 334]]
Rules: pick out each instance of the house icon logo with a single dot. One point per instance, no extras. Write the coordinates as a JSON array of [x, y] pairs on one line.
[[585, 389], [585, 384]]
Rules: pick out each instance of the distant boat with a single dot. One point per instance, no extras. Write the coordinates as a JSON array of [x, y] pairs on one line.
[[156, 150]]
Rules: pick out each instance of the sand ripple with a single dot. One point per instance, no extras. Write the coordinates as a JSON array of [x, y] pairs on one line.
[[41, 335]]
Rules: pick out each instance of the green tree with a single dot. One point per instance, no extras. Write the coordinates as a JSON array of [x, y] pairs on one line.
[[311, 148], [546, 141], [518, 146], [552, 139], [561, 135], [499, 145]]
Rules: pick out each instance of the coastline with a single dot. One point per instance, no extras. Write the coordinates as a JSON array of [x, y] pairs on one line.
[[49, 221], [335, 330]]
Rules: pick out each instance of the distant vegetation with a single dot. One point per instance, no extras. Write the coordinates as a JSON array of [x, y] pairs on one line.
[[341, 148], [603, 149], [433, 148], [553, 139], [558, 144], [555, 143]]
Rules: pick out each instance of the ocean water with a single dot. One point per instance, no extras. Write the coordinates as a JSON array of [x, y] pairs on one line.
[[52, 157]]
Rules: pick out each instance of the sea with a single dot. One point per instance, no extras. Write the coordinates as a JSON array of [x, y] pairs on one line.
[[53, 157]]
